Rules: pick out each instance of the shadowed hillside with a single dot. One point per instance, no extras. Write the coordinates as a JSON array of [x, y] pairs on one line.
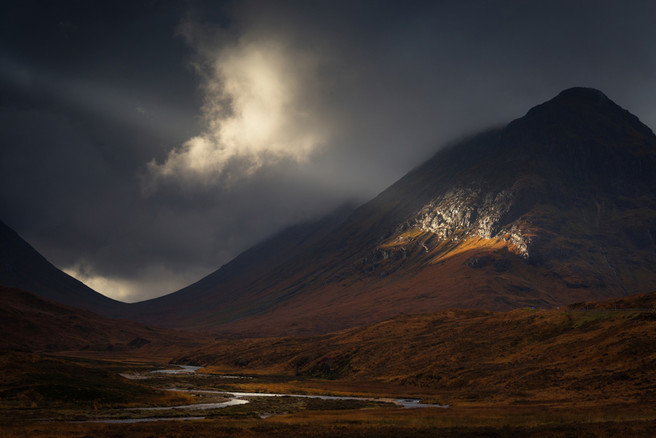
[[31, 323], [557, 207], [22, 267]]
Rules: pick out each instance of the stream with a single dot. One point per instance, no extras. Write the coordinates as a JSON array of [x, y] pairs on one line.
[[241, 398], [184, 369]]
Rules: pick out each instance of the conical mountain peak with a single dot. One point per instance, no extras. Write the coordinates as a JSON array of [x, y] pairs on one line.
[[582, 94], [578, 99], [581, 112], [581, 135]]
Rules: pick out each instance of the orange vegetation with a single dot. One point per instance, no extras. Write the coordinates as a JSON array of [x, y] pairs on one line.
[[469, 356]]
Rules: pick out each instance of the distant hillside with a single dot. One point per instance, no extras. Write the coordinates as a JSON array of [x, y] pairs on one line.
[[22, 267], [470, 355], [31, 323]]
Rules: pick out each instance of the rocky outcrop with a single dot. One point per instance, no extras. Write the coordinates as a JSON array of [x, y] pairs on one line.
[[474, 212]]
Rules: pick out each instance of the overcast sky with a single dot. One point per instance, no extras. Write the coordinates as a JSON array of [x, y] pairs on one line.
[[143, 144]]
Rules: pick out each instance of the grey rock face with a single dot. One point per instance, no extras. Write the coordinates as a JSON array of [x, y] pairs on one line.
[[473, 212]]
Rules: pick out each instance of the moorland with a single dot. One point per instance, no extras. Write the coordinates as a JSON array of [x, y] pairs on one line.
[[521, 373]]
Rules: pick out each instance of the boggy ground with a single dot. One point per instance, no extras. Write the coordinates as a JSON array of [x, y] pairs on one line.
[[588, 370], [31, 408], [589, 354], [456, 422]]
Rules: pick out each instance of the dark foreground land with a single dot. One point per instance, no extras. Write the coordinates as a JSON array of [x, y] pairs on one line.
[[48, 396], [588, 370], [329, 424]]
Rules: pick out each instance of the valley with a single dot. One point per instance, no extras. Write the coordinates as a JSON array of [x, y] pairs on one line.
[[504, 287], [586, 370]]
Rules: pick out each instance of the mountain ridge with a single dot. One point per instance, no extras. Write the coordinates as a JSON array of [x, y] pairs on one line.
[[23, 267], [535, 213], [556, 207]]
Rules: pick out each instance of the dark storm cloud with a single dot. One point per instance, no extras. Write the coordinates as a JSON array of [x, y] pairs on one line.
[[354, 94], [394, 82]]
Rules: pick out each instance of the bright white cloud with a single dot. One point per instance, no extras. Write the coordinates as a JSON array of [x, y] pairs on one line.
[[260, 109], [149, 282]]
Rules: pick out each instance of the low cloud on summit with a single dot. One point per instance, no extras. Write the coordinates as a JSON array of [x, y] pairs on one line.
[[145, 144]]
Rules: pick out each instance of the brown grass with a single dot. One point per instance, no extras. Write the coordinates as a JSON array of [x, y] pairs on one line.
[[31, 381], [535, 373], [557, 356], [458, 422], [31, 323]]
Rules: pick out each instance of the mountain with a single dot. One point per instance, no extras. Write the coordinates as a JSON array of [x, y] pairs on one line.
[[22, 267], [32, 323], [557, 207]]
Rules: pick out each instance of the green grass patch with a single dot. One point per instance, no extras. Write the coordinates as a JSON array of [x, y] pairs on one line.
[[582, 319]]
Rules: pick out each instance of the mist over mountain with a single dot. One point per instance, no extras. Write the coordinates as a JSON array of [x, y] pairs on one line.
[[146, 143], [555, 208], [327, 218]]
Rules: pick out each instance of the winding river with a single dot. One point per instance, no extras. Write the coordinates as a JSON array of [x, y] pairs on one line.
[[241, 398], [183, 369]]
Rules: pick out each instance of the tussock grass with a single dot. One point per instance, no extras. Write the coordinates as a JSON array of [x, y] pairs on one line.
[[462, 422]]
